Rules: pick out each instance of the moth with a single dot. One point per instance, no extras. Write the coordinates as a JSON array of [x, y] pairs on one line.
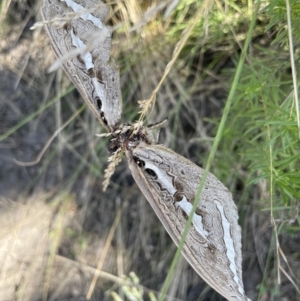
[[169, 181]]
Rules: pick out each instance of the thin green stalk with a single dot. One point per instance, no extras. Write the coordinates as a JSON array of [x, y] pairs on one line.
[[294, 72]]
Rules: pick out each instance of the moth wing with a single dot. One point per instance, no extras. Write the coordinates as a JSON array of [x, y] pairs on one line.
[[82, 41], [213, 244]]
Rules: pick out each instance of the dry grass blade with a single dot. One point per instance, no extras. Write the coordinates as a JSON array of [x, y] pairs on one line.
[[147, 104], [104, 253], [149, 14], [3, 10], [56, 238], [44, 149], [290, 270]]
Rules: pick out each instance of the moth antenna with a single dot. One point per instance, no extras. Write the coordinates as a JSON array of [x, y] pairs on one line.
[[113, 160], [158, 137], [157, 124]]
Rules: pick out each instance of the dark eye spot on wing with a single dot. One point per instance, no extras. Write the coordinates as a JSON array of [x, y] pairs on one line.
[[178, 186], [184, 215], [139, 162], [99, 76], [151, 173], [67, 26], [212, 248], [103, 118], [99, 104], [177, 196], [80, 59], [91, 72], [198, 212], [182, 172]]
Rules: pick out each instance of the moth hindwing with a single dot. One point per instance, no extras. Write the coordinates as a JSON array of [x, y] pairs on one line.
[[213, 244], [82, 41]]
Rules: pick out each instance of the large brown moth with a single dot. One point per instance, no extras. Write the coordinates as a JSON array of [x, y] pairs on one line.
[[169, 181]]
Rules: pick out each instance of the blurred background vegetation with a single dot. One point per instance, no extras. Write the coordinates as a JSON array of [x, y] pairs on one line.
[[56, 223]]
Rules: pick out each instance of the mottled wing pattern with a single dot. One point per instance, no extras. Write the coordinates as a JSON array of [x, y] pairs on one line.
[[82, 41], [213, 244]]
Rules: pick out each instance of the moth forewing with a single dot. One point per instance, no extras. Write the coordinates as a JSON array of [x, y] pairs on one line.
[[213, 244], [82, 42]]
